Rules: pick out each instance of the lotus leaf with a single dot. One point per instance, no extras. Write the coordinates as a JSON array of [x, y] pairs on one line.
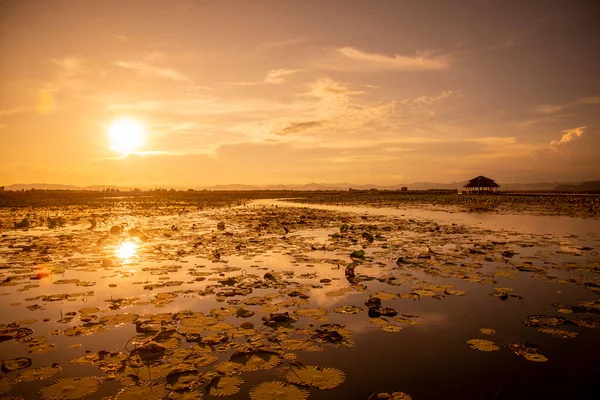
[[146, 392], [71, 388], [482, 345], [347, 310], [321, 378], [277, 390], [35, 374], [224, 386]]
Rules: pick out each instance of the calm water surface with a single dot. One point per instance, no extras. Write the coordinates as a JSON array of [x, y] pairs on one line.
[[174, 256]]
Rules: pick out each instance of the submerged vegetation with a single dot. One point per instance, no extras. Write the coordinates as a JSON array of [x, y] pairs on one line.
[[191, 295]]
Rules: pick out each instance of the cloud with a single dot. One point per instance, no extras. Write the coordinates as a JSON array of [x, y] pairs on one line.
[[277, 75], [146, 69], [326, 87], [326, 106], [568, 136], [429, 100], [295, 127], [14, 110], [274, 76], [422, 62], [281, 43], [70, 64], [553, 108]]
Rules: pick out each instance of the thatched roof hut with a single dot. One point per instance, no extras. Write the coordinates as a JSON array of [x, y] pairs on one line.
[[481, 184]]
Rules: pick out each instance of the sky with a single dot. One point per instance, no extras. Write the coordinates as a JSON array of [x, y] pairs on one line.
[[293, 92]]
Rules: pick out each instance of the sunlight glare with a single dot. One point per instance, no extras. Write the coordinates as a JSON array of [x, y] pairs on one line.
[[126, 135], [126, 250]]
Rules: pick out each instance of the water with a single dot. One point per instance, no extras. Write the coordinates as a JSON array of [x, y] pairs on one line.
[[170, 263]]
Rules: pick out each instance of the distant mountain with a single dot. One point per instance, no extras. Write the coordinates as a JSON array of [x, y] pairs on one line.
[[44, 186], [590, 186], [529, 186], [52, 186]]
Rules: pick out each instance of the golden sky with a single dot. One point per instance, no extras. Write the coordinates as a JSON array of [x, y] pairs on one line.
[[292, 92]]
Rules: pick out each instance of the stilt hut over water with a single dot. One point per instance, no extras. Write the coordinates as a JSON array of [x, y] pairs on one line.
[[481, 184]]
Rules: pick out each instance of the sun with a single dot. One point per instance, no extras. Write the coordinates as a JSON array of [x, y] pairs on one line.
[[126, 136]]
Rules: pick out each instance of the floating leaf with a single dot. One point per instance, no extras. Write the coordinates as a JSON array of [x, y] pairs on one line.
[[312, 313], [35, 374], [256, 360], [224, 386], [455, 292], [535, 357], [277, 390], [71, 388], [347, 310], [85, 329], [168, 338], [321, 378], [192, 395], [119, 319], [384, 295], [15, 364], [6, 384], [150, 353], [229, 368], [406, 321], [359, 254], [184, 379], [487, 331], [393, 396], [483, 345], [146, 392], [557, 333]]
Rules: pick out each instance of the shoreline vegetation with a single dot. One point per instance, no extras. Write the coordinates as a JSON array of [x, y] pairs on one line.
[[523, 202]]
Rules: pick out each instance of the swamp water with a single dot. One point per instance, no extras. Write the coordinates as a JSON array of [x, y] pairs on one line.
[[294, 301]]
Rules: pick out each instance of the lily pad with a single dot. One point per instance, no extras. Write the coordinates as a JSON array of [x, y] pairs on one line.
[[35, 374], [311, 313], [256, 360], [146, 392], [314, 376], [15, 364], [347, 310], [7, 384], [483, 345], [71, 388], [392, 396], [277, 390], [224, 386]]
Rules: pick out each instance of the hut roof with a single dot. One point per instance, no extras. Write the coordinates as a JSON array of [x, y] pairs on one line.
[[481, 181]]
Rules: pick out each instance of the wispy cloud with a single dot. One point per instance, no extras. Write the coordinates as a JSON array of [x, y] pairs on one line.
[[327, 87], [430, 100], [281, 43], [278, 75], [14, 110], [568, 136], [420, 62], [70, 64], [326, 106], [146, 69], [274, 76], [553, 108]]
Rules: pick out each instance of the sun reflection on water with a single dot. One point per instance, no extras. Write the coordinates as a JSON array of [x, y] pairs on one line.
[[126, 250]]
